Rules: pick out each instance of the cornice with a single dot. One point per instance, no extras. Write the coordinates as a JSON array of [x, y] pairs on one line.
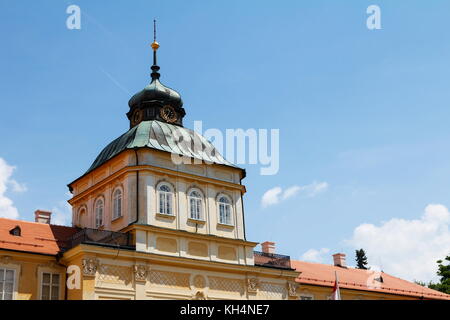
[[155, 169]]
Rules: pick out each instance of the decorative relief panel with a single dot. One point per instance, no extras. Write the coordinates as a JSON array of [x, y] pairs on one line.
[[227, 253], [140, 272], [114, 274], [166, 245], [89, 266], [169, 279], [199, 295], [292, 289], [225, 284], [199, 282], [252, 285], [197, 249], [5, 259], [272, 291]]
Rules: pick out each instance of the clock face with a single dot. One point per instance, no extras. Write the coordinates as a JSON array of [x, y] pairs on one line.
[[169, 114], [137, 117]]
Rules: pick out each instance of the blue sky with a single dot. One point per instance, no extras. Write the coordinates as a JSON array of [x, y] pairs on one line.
[[364, 111]]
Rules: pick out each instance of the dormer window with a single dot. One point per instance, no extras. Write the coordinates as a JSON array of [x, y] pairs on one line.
[[16, 231]]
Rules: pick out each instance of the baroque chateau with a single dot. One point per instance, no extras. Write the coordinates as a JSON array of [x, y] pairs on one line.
[[160, 215]]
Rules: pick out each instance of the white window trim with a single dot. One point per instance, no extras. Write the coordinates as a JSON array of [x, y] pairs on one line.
[[231, 224], [114, 204], [172, 192], [95, 212], [16, 269], [61, 281], [202, 209]]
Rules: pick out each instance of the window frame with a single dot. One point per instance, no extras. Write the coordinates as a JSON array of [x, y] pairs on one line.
[[170, 193], [201, 198], [113, 215], [230, 205], [103, 212], [41, 283], [16, 272]]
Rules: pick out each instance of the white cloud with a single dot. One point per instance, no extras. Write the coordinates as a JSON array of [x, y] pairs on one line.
[[290, 192], [315, 188], [18, 187], [276, 195], [62, 214], [7, 208], [271, 197], [314, 255], [408, 249]]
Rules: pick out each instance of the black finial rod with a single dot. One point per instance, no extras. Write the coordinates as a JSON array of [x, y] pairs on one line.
[[155, 46]]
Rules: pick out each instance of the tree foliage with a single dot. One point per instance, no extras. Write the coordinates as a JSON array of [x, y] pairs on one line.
[[444, 274], [361, 259]]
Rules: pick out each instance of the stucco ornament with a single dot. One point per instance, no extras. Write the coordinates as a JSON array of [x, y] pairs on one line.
[[292, 289], [90, 266], [5, 259], [252, 284], [199, 296], [140, 272], [199, 282]]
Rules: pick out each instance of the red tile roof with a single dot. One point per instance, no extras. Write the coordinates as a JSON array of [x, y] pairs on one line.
[[35, 237], [350, 278]]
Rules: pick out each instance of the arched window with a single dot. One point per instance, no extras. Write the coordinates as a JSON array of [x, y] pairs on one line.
[[99, 213], [195, 205], [117, 204], [165, 199], [225, 210]]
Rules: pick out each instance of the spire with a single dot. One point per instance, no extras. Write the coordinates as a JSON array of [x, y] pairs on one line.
[[155, 46]]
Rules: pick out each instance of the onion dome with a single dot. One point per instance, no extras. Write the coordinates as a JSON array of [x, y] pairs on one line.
[[156, 101]]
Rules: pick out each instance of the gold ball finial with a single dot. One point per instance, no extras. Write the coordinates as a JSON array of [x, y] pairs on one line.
[[155, 45]]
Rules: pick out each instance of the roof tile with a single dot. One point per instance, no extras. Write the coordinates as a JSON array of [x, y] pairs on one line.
[[358, 279], [35, 237]]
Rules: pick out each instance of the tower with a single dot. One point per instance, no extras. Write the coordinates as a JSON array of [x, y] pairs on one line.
[[137, 184], [177, 205]]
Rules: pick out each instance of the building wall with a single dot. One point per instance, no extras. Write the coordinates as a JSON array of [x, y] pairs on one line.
[[174, 243], [28, 273], [107, 274], [155, 168]]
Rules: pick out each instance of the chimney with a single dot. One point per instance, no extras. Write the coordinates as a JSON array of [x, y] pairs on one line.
[[268, 247], [42, 216], [339, 260]]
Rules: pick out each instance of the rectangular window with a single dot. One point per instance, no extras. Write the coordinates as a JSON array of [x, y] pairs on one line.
[[7, 277], [165, 203], [195, 208], [225, 213], [50, 286]]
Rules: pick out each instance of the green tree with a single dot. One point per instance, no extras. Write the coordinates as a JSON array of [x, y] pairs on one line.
[[444, 274], [361, 259]]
